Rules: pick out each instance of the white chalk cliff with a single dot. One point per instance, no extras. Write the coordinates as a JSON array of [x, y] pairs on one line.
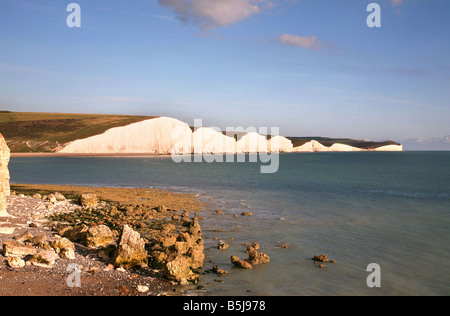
[[206, 140], [165, 136], [161, 136]]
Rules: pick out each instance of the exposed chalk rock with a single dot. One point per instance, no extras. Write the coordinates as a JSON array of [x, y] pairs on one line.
[[280, 144], [131, 249], [164, 136], [64, 247], [209, 141], [252, 143], [161, 136], [4, 175], [390, 148], [89, 200]]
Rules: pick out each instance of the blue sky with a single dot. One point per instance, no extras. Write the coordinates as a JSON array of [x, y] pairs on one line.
[[310, 67]]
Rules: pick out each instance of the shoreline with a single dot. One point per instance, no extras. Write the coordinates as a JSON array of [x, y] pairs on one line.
[[36, 155], [144, 155], [31, 214]]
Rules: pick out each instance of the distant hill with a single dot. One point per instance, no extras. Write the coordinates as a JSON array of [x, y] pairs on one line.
[[28, 132]]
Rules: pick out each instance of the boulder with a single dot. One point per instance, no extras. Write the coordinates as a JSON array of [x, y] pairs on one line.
[[39, 239], [255, 246], [88, 200], [223, 245], [256, 257], [130, 250], [98, 236], [240, 263], [321, 258], [161, 209], [24, 237], [12, 248], [44, 258], [179, 271], [76, 234], [56, 197], [219, 271], [15, 262], [64, 248]]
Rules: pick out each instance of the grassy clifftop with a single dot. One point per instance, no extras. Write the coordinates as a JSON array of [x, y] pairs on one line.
[[27, 132]]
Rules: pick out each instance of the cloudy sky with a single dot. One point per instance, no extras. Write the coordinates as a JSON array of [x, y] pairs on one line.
[[310, 67]]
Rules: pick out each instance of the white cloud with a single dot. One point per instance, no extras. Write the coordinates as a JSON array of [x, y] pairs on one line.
[[211, 14], [309, 42], [434, 143]]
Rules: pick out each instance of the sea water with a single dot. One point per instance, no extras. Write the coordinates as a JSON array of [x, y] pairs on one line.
[[388, 208]]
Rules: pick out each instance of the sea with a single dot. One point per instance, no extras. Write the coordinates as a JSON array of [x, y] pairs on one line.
[[391, 209]]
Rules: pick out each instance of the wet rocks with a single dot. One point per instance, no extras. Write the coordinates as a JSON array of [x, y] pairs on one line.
[[223, 245], [237, 262], [254, 247], [321, 259], [179, 253], [219, 271], [130, 250], [178, 270], [256, 257]]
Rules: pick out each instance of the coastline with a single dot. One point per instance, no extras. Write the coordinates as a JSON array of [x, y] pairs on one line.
[[31, 214], [39, 155]]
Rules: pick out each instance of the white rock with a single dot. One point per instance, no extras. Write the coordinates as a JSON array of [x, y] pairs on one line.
[[142, 288]]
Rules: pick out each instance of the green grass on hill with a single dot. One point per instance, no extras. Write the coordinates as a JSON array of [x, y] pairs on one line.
[[46, 132]]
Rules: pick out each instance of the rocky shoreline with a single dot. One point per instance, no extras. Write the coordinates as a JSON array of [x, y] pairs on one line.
[[124, 239]]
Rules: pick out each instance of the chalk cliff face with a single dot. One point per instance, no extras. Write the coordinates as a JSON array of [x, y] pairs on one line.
[[342, 147], [280, 144], [252, 143], [390, 148], [312, 146], [4, 173], [161, 136], [164, 136], [206, 140]]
